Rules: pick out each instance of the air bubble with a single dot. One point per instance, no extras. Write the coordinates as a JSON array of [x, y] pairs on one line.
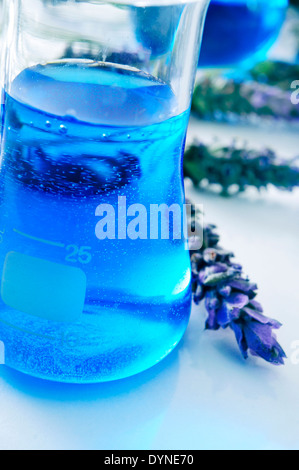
[[62, 129], [48, 124]]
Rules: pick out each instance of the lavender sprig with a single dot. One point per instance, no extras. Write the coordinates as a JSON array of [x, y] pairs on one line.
[[229, 299], [222, 99], [230, 166]]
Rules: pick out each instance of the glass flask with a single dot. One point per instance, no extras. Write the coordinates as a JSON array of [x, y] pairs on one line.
[[93, 287], [238, 31]]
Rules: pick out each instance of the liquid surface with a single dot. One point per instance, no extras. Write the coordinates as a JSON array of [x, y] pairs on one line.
[[240, 30], [76, 308]]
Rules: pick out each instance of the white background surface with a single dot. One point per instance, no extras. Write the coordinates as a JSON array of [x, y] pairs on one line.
[[204, 395]]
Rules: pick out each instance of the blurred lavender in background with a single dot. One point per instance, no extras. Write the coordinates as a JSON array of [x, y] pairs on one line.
[[261, 96]]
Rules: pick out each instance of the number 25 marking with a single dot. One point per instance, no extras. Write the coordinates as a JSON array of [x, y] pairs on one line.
[[78, 254]]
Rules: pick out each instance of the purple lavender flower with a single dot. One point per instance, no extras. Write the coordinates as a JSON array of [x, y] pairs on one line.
[[257, 338], [230, 300]]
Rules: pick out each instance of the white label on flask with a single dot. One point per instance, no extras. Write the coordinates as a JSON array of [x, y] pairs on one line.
[[42, 288]]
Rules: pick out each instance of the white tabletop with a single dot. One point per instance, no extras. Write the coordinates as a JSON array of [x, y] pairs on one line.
[[204, 395]]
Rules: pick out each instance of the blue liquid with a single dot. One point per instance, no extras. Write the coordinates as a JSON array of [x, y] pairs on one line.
[[75, 308], [240, 30]]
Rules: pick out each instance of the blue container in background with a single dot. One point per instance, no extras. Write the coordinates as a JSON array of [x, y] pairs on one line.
[[240, 31]]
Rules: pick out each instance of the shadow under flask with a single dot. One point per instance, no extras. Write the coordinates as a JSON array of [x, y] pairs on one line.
[[95, 283]]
